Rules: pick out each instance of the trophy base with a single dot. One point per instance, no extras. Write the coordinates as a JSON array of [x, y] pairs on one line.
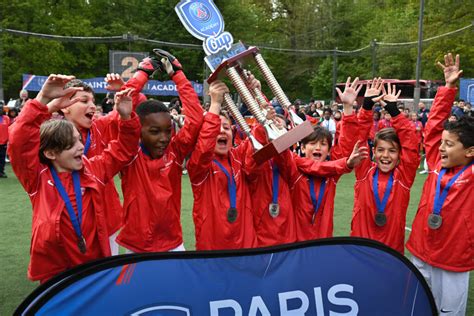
[[283, 142], [238, 59]]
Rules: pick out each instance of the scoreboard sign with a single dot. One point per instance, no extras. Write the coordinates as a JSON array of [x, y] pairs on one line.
[[124, 63]]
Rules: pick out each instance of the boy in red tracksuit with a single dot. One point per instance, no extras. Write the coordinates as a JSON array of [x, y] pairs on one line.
[[66, 188], [418, 126], [313, 196], [382, 188], [4, 124], [222, 209], [442, 236], [151, 183]]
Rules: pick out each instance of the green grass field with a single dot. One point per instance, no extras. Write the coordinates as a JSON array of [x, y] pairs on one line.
[[15, 230]]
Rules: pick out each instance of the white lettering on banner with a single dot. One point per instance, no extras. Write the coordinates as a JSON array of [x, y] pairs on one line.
[[293, 295], [258, 306], [214, 44], [217, 305], [210, 26], [342, 301]]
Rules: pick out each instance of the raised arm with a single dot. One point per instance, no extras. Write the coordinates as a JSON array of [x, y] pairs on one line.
[[349, 124], [24, 135], [120, 151], [441, 109], [409, 156], [186, 137], [203, 153]]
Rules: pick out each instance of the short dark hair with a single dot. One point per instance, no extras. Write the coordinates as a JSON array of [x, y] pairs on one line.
[[76, 83], [464, 128], [319, 133], [151, 106], [389, 135], [55, 135], [327, 110]]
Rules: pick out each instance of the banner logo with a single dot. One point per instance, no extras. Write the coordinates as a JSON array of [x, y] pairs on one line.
[[200, 17], [200, 12], [204, 21]]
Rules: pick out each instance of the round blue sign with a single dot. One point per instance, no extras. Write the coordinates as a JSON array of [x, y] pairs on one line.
[[200, 12]]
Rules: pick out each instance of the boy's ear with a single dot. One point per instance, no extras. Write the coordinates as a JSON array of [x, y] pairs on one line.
[[470, 152], [66, 110], [50, 154]]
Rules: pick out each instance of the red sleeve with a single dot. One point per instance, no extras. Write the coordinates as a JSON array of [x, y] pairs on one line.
[[23, 147], [439, 113], [203, 153], [119, 152], [365, 120], [409, 156], [137, 82], [108, 126], [347, 138], [186, 138], [324, 169]]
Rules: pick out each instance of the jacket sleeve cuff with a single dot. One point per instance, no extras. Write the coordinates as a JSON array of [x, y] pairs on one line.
[[368, 103], [392, 109]]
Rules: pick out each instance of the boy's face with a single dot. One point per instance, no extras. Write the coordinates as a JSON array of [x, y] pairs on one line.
[[224, 139], [316, 150], [387, 116], [327, 115], [156, 133], [452, 151], [82, 112], [70, 159], [386, 155], [414, 117], [280, 123]]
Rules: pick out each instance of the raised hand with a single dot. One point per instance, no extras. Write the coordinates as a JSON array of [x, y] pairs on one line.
[[169, 63], [374, 87], [392, 94], [217, 89], [114, 82], [64, 101], [123, 103], [358, 154], [53, 88], [150, 66], [451, 70], [351, 91]]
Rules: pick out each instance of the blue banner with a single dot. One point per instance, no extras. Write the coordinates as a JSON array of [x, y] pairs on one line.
[[338, 276], [153, 87], [466, 90]]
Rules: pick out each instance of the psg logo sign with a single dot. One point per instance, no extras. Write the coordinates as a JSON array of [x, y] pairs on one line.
[[200, 12]]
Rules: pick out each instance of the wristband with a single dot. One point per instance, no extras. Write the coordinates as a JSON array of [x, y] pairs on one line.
[[392, 109]]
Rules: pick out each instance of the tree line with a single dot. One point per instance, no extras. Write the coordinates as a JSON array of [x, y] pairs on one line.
[[309, 28]]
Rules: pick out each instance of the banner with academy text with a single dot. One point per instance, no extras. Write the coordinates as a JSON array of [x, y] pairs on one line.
[[337, 276], [153, 87]]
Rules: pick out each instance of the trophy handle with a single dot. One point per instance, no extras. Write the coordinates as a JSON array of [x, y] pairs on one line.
[[239, 119], [276, 89]]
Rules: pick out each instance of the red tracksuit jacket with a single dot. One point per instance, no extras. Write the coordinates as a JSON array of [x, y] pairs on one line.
[[363, 223], [211, 197], [450, 247], [152, 187], [302, 203], [53, 242], [4, 124]]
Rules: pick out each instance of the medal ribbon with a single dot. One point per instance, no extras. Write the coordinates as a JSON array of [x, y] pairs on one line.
[[441, 198], [316, 201], [87, 145], [275, 183], [231, 187], [75, 220], [375, 187]]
